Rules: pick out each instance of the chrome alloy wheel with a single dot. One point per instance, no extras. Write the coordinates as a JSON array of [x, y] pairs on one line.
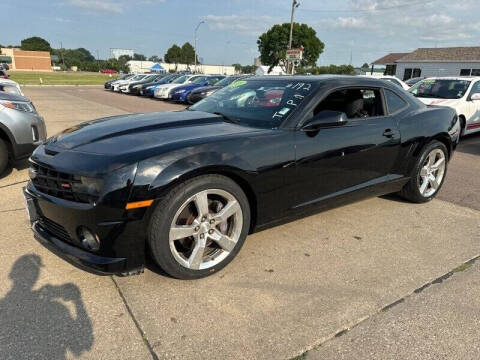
[[432, 173], [205, 229]]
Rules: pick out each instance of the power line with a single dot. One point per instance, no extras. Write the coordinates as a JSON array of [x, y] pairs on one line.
[[371, 10]]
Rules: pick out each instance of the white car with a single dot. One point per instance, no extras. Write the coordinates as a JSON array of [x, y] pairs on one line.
[[459, 93], [392, 79], [164, 91], [10, 86], [120, 84]]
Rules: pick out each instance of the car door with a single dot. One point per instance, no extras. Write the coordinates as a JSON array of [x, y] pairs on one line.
[[359, 153], [473, 109]]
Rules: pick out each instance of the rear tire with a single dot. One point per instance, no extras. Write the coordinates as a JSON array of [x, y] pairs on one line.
[[428, 174], [3, 156], [189, 236]]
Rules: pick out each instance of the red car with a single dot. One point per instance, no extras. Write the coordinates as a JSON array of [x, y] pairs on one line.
[[108, 71]]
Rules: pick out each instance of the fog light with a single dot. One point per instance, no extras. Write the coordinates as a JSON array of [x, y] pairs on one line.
[[89, 240]]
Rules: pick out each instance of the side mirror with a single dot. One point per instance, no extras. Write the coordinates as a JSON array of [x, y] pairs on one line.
[[475, 97], [325, 119]]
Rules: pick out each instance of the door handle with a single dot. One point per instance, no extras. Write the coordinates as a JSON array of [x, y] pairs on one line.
[[389, 133]]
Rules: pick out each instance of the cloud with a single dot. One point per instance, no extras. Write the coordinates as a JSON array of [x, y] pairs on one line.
[[98, 5], [242, 24], [351, 23]]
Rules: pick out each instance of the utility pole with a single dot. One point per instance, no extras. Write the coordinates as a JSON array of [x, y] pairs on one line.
[[61, 53], [195, 43], [295, 4]]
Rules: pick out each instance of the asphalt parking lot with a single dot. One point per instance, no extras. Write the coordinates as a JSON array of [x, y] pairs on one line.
[[379, 279]]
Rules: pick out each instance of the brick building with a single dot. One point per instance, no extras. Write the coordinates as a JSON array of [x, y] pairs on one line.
[[27, 60]]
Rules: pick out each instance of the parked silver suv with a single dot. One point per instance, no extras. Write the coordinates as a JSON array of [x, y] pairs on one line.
[[21, 128]]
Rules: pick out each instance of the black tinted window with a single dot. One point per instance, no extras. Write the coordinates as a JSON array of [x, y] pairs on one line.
[[394, 102]]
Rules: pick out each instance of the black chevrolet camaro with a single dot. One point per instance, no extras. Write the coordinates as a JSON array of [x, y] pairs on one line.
[[187, 187]]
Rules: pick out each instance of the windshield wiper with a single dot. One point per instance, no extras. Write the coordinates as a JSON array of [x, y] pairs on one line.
[[227, 118]]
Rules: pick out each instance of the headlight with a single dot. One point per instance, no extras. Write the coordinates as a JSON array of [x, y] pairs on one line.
[[17, 105], [148, 87], [210, 92], [179, 91], [88, 186]]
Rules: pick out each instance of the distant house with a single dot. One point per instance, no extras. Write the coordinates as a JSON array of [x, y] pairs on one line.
[[390, 63], [263, 70], [427, 62]]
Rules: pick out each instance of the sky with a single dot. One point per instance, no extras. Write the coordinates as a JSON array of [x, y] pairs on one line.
[[360, 30]]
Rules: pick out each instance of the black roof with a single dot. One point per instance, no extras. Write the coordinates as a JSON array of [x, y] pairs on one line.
[[340, 79]]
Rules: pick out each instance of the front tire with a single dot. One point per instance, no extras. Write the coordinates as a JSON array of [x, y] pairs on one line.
[[3, 156], [199, 227], [428, 174]]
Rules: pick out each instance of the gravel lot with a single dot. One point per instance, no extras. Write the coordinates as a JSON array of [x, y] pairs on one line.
[[372, 280]]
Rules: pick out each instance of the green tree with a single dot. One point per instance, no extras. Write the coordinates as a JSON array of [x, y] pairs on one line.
[[273, 44], [188, 54], [35, 43], [139, 57], [154, 58], [238, 67], [174, 55], [330, 69], [365, 66]]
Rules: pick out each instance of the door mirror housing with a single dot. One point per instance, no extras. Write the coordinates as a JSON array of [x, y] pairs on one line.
[[475, 97], [325, 119]]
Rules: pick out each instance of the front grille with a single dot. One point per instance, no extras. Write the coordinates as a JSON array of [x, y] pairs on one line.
[[54, 229], [58, 184]]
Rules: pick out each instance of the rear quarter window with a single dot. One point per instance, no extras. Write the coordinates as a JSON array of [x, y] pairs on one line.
[[394, 102]]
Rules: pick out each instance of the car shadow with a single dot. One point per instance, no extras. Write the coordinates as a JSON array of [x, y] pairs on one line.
[[38, 323], [470, 144], [18, 165]]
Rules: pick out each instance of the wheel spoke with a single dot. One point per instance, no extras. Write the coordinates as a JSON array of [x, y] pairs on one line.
[[437, 165], [195, 259], [433, 182], [424, 172], [230, 209], [424, 185], [181, 231], [431, 159], [201, 202], [224, 241]]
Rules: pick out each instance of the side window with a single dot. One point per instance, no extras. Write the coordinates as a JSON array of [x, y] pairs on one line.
[[475, 88], [407, 74], [465, 72], [475, 72], [394, 102], [355, 103]]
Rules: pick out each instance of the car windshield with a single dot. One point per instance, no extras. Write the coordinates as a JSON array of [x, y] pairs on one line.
[[226, 81], [440, 88], [260, 103], [412, 81], [198, 80], [180, 80], [393, 81], [138, 77]]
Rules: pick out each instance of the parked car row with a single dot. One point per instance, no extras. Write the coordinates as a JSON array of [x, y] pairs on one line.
[[178, 87]]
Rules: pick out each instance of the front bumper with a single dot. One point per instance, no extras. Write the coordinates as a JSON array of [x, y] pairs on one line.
[[55, 224]]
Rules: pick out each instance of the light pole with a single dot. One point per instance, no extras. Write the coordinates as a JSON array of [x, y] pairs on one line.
[[195, 43], [295, 4]]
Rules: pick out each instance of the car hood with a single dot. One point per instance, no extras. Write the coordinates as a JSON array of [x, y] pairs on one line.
[[147, 134], [169, 86], [440, 102], [186, 87]]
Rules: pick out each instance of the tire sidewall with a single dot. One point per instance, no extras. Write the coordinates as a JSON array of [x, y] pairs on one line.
[[3, 156], [162, 217], [428, 149]]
